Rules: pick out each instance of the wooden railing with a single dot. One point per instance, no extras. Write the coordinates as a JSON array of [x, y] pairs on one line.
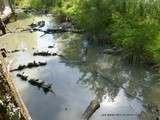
[[5, 9]]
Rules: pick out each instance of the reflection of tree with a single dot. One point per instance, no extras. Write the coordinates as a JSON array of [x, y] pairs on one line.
[[152, 89], [117, 75]]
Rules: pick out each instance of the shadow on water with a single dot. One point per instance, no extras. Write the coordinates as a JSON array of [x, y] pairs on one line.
[[76, 83]]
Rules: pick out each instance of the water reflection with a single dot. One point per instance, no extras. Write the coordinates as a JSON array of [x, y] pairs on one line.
[[135, 80], [76, 83], [110, 66]]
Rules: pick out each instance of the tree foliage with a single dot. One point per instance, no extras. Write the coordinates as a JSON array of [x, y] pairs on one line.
[[130, 24]]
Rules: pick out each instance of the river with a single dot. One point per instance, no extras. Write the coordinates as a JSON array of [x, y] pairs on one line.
[[76, 84]]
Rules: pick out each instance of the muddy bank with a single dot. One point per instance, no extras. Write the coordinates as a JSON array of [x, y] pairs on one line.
[[11, 104]]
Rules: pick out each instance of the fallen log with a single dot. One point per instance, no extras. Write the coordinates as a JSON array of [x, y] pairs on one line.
[[29, 65], [55, 30], [41, 84], [10, 51], [36, 82], [36, 27], [91, 109], [13, 51], [43, 53], [60, 30]]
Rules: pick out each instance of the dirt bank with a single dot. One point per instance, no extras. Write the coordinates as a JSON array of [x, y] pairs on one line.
[[11, 104]]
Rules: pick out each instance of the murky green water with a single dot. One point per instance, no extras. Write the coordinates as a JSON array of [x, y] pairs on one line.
[[75, 83]]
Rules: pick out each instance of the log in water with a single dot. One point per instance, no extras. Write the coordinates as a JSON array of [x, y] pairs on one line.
[[91, 109], [29, 65]]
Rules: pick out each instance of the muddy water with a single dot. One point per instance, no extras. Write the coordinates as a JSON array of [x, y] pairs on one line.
[[75, 84]]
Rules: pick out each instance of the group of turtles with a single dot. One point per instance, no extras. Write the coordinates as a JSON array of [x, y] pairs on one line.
[[29, 65], [44, 53], [36, 82]]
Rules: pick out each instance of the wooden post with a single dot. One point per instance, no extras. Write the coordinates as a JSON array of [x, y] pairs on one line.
[[13, 15], [2, 27], [10, 4]]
